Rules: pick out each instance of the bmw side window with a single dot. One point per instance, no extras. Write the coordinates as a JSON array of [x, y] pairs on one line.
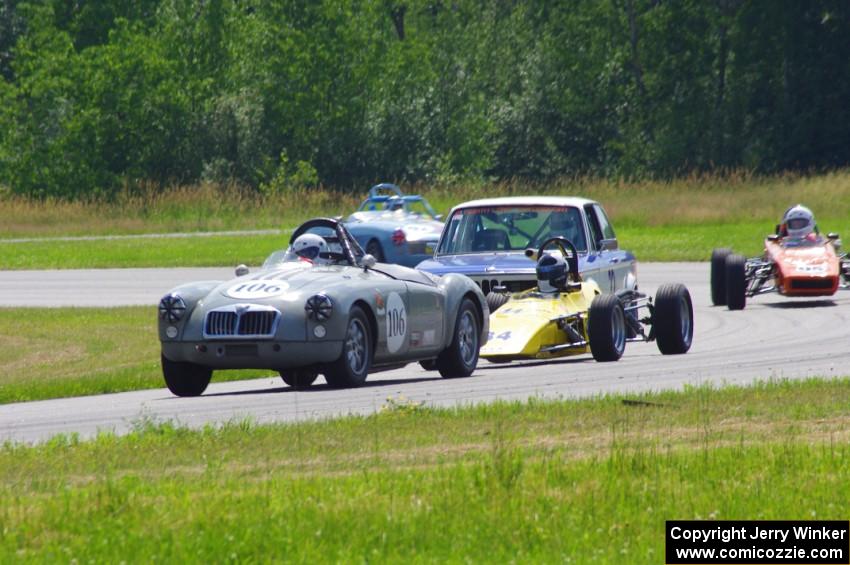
[[607, 230], [593, 223]]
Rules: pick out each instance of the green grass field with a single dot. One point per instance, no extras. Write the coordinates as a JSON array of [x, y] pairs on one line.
[[60, 352], [570, 481], [660, 221]]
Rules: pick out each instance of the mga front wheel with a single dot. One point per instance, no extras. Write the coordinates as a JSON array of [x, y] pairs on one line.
[[352, 366], [460, 358], [299, 378], [185, 379]]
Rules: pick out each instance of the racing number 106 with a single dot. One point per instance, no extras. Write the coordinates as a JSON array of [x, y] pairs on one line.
[[257, 287], [395, 323]]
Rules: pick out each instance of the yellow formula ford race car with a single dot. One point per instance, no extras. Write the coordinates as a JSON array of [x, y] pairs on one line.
[[564, 315]]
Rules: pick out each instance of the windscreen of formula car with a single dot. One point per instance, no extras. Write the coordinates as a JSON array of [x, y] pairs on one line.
[[510, 228]]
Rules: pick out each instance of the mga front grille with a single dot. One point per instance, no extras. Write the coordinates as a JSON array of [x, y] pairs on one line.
[[220, 323], [250, 321]]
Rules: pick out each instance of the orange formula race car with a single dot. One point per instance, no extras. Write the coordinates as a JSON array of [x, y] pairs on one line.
[[810, 266]]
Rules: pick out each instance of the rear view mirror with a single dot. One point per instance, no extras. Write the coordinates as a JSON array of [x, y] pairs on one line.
[[832, 235], [242, 270], [773, 237]]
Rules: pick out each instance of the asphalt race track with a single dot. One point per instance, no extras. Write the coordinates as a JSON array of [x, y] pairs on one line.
[[774, 337]]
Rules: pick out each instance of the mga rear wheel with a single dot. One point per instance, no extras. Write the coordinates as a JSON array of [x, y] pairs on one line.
[[299, 378], [606, 328], [673, 319], [718, 276], [460, 358], [352, 366], [736, 282], [185, 379]]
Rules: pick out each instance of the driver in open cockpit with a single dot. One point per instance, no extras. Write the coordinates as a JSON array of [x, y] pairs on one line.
[[311, 248], [551, 273]]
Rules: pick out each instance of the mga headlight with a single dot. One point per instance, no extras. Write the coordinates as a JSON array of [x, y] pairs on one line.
[[171, 308], [319, 307]]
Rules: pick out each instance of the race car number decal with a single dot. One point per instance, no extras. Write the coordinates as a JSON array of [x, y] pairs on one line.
[[257, 289], [396, 322]]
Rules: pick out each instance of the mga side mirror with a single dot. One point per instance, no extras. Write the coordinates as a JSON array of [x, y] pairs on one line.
[[368, 261], [832, 235], [773, 237], [242, 270], [531, 253]]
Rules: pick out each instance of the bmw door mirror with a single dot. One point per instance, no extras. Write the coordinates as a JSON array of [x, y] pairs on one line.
[[242, 270], [368, 261], [608, 244]]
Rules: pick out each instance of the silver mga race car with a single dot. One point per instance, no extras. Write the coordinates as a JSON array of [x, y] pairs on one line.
[[321, 308]]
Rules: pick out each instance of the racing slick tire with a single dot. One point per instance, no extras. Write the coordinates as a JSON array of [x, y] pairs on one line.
[[673, 319], [736, 282], [374, 249], [606, 328], [185, 379], [496, 300], [299, 378], [460, 358], [352, 366], [718, 276]]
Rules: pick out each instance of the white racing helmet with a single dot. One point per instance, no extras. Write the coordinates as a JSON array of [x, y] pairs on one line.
[[798, 221], [311, 247]]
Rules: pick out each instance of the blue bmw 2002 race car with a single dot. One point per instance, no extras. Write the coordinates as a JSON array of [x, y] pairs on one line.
[[394, 227], [487, 239]]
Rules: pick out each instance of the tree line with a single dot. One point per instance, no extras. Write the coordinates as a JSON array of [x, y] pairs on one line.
[[98, 96]]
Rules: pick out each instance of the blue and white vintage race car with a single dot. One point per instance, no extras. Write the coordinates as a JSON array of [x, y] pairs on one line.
[[486, 240], [395, 227]]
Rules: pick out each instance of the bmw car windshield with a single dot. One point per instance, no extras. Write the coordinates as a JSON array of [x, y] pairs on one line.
[[510, 228]]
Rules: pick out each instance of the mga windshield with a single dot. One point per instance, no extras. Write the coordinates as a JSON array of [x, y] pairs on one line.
[[510, 228]]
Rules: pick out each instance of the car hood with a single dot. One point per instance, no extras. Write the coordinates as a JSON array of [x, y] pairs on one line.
[[284, 282], [483, 263]]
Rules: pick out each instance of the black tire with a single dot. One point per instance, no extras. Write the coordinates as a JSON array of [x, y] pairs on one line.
[[299, 378], [429, 364], [673, 319], [460, 358], [185, 379], [718, 276], [352, 367], [736, 282], [496, 300], [374, 249], [606, 328]]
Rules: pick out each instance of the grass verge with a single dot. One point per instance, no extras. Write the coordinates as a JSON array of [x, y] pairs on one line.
[[61, 352], [576, 481], [660, 221]]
